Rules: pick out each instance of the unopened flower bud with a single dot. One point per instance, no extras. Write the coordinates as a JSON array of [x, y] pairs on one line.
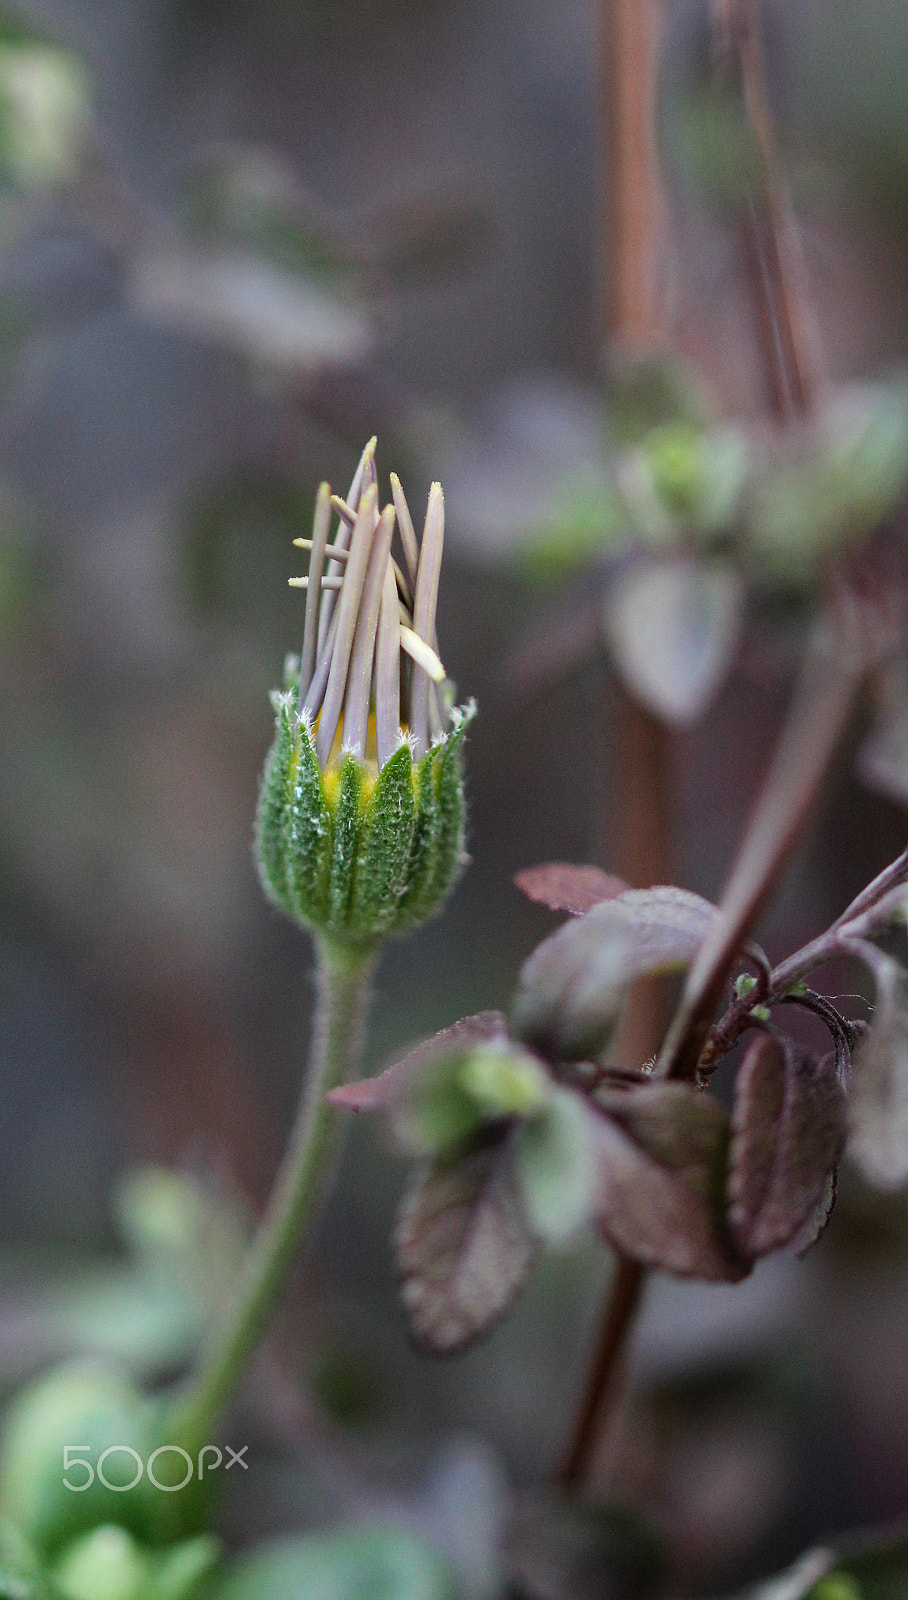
[[360, 822]]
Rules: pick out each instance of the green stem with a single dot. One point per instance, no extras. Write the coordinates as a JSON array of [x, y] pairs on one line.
[[343, 976]]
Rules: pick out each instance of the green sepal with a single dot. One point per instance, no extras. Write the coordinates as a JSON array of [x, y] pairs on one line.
[[384, 852], [307, 834], [449, 831], [291, 680], [358, 867], [274, 806], [420, 866], [348, 816], [437, 853]]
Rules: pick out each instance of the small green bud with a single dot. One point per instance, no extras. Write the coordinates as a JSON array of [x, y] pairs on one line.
[[110, 1564], [106, 1564], [797, 989], [504, 1081], [762, 1013], [836, 1586], [745, 984], [360, 822]]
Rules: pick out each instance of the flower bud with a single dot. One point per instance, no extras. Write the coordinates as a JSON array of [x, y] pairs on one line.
[[360, 822]]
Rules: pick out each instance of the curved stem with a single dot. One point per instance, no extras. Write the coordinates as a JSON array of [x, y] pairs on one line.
[[343, 977]]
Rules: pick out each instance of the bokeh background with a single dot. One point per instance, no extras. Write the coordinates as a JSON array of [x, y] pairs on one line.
[[235, 241]]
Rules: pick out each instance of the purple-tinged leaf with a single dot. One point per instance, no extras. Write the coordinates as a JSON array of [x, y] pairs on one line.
[[661, 1154], [673, 628], [558, 1546], [376, 1094], [571, 989], [443, 1092], [878, 1097], [808, 1235], [788, 1127], [463, 1245], [883, 757], [564, 887]]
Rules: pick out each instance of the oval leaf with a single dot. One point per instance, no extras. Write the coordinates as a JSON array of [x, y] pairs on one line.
[[878, 1101], [464, 1245], [555, 1156], [570, 990], [661, 1152], [377, 1563], [673, 629], [564, 887], [883, 757], [788, 1128]]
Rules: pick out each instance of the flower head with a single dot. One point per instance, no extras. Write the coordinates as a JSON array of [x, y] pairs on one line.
[[360, 822]]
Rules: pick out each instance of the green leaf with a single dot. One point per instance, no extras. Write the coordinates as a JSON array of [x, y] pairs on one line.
[[788, 1127], [105, 1564], [21, 1575], [84, 1405], [370, 1563], [587, 525], [183, 1567], [878, 1097], [844, 478], [571, 989], [45, 115], [464, 1244], [685, 480], [555, 1156], [673, 628]]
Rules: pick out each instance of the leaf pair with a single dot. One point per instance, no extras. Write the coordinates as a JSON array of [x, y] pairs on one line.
[[685, 1189], [513, 1158]]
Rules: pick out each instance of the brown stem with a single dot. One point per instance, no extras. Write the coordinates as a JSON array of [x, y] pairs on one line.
[[642, 852], [791, 340], [631, 209], [602, 1378], [822, 706], [631, 200]]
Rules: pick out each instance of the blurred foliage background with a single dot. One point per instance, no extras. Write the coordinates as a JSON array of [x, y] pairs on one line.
[[234, 242]]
